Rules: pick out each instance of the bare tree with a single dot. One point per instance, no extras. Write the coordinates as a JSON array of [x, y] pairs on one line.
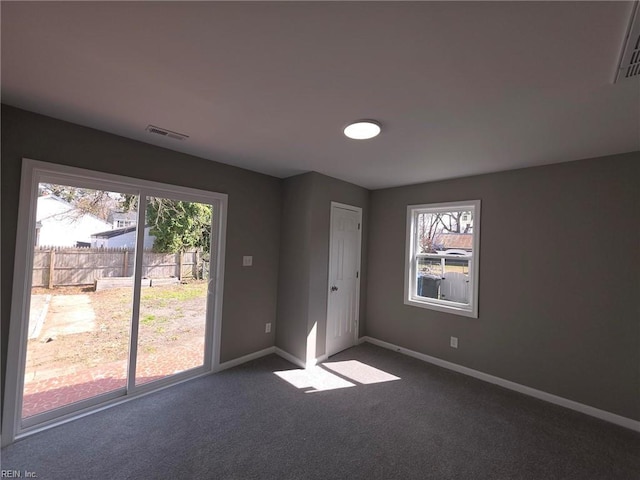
[[432, 225], [98, 203], [427, 229]]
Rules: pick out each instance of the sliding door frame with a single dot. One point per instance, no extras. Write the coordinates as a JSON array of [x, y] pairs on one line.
[[35, 172]]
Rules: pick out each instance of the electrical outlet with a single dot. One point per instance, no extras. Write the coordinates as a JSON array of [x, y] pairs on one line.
[[454, 342], [267, 328], [247, 261]]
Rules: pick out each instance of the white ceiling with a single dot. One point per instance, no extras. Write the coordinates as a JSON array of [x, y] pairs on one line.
[[460, 88]]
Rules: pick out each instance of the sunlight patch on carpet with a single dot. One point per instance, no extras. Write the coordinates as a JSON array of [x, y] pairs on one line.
[[334, 375], [316, 379], [360, 372]]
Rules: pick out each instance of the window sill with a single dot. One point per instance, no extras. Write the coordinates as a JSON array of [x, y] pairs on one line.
[[441, 306]]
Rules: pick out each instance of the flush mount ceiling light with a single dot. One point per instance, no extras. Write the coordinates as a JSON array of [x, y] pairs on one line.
[[362, 129]]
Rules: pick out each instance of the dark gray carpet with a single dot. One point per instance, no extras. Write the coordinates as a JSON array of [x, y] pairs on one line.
[[247, 423]]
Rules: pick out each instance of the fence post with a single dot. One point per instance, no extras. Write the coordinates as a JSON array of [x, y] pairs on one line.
[[195, 265], [52, 269], [180, 265], [125, 263]]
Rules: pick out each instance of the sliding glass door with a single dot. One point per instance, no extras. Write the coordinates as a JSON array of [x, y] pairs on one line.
[[172, 321], [117, 291], [78, 336]]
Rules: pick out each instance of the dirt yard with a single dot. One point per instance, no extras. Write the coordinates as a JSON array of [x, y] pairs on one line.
[[84, 329]]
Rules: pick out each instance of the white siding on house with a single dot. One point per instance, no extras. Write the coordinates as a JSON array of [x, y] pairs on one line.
[[123, 219], [126, 240], [61, 224]]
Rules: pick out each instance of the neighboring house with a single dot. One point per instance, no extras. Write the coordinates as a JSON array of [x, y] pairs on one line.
[[123, 219], [466, 222], [458, 241], [121, 238], [60, 224]]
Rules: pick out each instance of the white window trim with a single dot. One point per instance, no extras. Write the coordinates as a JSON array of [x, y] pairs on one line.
[[33, 173], [470, 310]]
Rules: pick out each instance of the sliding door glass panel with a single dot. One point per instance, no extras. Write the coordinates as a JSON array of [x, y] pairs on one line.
[[175, 277], [80, 304]]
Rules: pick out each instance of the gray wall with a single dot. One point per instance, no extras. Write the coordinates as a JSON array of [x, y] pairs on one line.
[[559, 279], [304, 261], [253, 226], [293, 278]]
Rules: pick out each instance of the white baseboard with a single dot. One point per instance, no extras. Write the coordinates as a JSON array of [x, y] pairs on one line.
[[244, 359], [291, 358], [548, 397], [267, 351], [296, 361]]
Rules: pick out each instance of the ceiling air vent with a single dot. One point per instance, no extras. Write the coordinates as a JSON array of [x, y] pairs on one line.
[[166, 133], [630, 60]]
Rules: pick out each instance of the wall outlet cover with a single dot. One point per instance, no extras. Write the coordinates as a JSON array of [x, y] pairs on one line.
[[247, 261]]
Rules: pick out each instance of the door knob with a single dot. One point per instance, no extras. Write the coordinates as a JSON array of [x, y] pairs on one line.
[[334, 289]]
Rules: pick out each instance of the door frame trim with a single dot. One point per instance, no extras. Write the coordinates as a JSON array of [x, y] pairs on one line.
[[357, 210], [32, 173]]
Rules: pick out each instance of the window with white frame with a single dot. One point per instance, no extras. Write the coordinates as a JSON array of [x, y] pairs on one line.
[[442, 252]]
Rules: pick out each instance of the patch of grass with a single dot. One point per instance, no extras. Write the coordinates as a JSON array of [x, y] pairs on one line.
[[182, 292], [150, 319]]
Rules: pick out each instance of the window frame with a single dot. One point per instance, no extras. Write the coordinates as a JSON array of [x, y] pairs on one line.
[[411, 259]]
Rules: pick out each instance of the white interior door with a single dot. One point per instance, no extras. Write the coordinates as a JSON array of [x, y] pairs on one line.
[[344, 277]]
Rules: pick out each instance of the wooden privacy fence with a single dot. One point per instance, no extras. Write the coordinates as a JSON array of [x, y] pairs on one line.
[[63, 266]]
